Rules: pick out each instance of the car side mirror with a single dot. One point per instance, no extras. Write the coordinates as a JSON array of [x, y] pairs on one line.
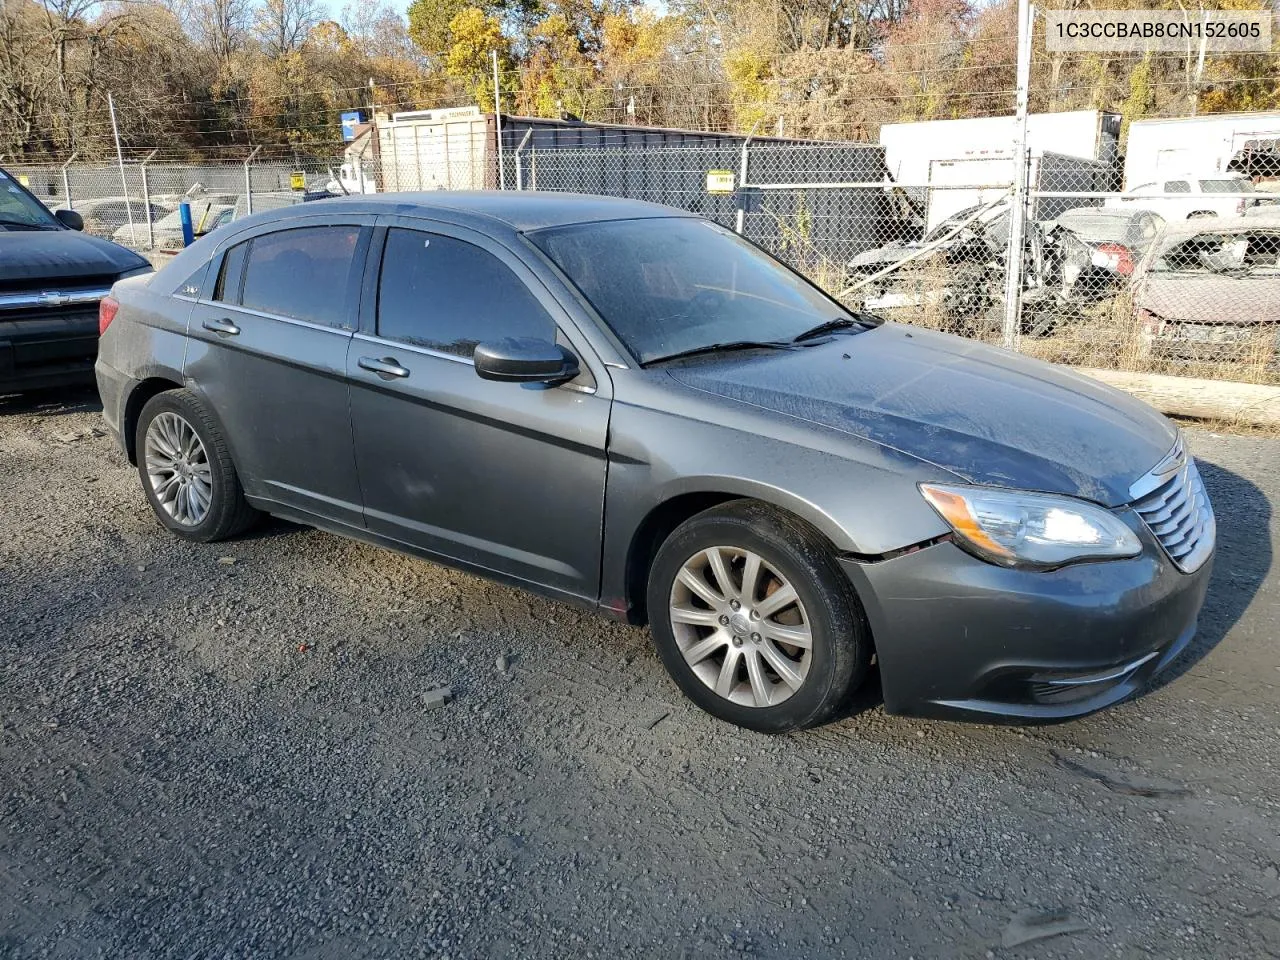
[[524, 360], [69, 219]]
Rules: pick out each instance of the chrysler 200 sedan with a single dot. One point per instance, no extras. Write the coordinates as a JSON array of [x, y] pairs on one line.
[[630, 408]]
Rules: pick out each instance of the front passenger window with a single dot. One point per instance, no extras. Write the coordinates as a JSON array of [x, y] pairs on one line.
[[450, 295]]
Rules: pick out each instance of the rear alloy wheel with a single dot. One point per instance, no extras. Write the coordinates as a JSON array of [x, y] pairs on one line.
[[178, 469], [754, 620], [186, 470]]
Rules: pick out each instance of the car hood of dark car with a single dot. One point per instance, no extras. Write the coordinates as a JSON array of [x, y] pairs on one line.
[[984, 414], [32, 256]]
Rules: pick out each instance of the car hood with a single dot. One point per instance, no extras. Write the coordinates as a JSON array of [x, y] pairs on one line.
[[1209, 298], [985, 414], [33, 256]]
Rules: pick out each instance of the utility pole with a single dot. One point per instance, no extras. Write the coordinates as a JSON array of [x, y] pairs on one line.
[[1018, 209], [124, 182], [497, 124]]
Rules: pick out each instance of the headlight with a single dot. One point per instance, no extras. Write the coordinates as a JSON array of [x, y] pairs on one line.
[[1016, 529]]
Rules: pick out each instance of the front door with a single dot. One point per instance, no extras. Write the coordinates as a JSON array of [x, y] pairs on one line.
[[505, 477], [268, 353]]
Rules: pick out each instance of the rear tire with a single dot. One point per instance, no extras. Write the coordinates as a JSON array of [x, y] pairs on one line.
[[754, 620], [186, 470]]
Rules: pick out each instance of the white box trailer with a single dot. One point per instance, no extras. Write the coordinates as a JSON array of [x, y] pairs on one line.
[[1193, 145], [957, 185], [436, 150], [912, 148]]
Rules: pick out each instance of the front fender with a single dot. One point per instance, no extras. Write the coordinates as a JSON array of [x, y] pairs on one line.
[[862, 497]]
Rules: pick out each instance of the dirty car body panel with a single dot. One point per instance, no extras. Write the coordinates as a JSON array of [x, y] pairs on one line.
[[560, 488]]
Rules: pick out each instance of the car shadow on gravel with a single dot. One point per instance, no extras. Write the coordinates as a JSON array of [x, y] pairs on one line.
[[53, 402], [1241, 563]]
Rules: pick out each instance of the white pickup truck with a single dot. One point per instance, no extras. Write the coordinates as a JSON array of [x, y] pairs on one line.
[[1184, 197]]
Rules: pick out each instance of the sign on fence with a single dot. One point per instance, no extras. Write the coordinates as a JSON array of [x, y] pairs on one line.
[[720, 181], [297, 180]]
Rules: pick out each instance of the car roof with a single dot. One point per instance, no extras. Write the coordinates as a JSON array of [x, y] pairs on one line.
[[520, 211]]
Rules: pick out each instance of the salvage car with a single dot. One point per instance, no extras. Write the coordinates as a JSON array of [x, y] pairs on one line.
[[1099, 248], [956, 271], [627, 407], [52, 278], [1209, 293]]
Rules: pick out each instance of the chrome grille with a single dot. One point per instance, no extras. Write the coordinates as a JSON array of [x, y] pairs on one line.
[[1171, 499]]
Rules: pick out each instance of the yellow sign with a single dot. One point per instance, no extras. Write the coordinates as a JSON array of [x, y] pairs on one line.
[[24, 180], [297, 180], [720, 181]]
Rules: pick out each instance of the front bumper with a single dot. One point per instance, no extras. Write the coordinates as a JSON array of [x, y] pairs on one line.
[[958, 638], [38, 352]]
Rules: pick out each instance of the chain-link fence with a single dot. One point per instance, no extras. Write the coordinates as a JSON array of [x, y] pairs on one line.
[[136, 203], [1178, 276]]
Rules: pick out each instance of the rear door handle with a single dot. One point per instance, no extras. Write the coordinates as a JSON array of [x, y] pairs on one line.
[[388, 368], [223, 327]]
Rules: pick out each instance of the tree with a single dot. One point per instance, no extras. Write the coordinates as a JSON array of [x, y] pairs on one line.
[[429, 24], [221, 26], [282, 26], [474, 36]]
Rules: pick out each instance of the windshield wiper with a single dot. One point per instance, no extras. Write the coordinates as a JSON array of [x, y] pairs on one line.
[[9, 224], [723, 348], [830, 326]]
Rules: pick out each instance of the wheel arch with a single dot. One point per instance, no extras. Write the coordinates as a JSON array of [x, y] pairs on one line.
[[663, 518], [143, 391]]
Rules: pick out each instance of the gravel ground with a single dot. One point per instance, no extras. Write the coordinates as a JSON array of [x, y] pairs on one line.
[[229, 750]]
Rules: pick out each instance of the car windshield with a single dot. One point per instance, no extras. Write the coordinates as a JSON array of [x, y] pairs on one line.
[[20, 210], [1243, 253], [666, 286], [1120, 227]]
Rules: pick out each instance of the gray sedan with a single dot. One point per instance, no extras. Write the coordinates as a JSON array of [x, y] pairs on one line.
[[629, 408]]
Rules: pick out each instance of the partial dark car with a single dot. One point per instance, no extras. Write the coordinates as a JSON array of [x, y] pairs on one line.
[[955, 273], [627, 407], [1209, 291], [52, 278], [1099, 248]]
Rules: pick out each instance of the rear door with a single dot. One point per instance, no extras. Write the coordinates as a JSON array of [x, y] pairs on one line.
[[506, 477], [268, 352]]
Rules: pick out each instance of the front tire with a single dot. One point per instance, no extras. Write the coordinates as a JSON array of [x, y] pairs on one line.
[[186, 470], [754, 620]]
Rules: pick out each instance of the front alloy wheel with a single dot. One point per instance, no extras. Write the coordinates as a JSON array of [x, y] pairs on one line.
[[755, 620], [741, 627]]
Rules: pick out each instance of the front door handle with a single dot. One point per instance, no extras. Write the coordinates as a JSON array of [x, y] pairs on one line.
[[388, 368], [223, 327]]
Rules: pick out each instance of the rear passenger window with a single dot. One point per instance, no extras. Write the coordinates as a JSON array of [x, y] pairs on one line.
[[1177, 186], [302, 273], [449, 295]]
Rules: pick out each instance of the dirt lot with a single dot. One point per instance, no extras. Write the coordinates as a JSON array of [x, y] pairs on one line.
[[225, 751]]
